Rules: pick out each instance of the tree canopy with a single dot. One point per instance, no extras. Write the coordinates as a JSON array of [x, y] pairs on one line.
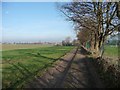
[[93, 21]]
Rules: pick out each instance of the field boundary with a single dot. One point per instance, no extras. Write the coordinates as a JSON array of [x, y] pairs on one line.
[[47, 74], [28, 75]]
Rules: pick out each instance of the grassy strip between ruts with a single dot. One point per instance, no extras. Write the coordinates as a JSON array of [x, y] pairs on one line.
[[20, 65]]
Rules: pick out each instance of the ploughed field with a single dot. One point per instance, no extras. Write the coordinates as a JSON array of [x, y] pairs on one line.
[[22, 65]]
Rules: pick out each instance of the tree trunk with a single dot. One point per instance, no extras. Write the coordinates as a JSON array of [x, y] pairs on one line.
[[99, 47], [118, 9]]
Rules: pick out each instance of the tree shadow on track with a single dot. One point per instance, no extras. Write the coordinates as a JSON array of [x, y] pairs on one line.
[[26, 73], [53, 78], [82, 73], [78, 76]]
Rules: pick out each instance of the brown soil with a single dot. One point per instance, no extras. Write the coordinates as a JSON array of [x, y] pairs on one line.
[[72, 71]]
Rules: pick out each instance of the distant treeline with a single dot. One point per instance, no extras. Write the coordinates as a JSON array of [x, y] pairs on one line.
[[113, 42], [29, 43]]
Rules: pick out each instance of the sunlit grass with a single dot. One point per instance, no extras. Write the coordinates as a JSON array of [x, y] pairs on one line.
[[111, 51], [20, 65]]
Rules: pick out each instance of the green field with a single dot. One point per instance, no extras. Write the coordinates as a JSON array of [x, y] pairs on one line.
[[22, 65], [111, 51]]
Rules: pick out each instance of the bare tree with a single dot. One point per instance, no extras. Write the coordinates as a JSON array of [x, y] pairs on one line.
[[118, 9], [67, 39], [66, 42], [99, 17]]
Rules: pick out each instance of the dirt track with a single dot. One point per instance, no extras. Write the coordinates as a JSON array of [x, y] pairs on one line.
[[72, 71]]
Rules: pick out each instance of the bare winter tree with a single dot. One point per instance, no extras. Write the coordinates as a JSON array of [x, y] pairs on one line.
[[100, 17], [66, 42], [118, 9]]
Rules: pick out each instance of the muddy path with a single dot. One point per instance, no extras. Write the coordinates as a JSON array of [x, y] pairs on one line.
[[72, 71]]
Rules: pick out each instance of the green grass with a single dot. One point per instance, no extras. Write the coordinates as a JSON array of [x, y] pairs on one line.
[[111, 51], [19, 66]]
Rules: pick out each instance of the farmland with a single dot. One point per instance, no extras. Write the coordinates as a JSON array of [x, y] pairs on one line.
[[21, 65], [111, 51], [111, 54], [21, 46]]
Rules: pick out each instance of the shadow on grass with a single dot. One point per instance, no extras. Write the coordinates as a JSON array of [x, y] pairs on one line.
[[26, 73], [55, 81], [39, 55]]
